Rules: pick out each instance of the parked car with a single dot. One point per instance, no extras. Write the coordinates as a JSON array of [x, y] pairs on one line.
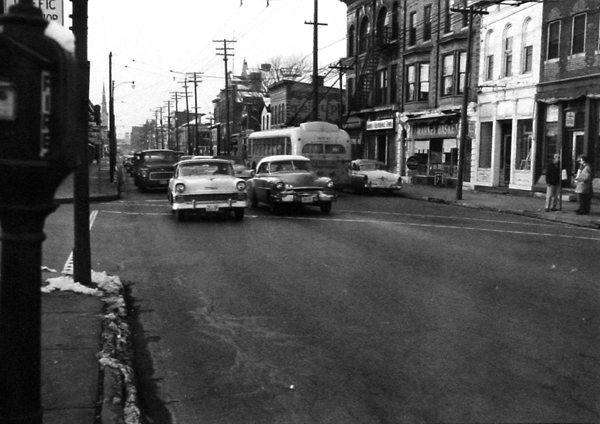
[[368, 175], [239, 166], [289, 179], [154, 168], [202, 186]]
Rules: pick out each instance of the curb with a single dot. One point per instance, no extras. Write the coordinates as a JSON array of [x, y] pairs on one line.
[[592, 224]]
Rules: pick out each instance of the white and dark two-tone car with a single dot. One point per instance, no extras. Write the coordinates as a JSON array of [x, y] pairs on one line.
[[368, 176], [289, 179], [207, 186]]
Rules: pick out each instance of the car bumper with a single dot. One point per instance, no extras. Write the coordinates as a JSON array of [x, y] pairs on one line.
[[199, 206], [373, 187], [304, 198]]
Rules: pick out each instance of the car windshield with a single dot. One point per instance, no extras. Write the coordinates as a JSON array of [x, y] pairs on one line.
[[205, 168], [372, 166], [161, 157], [290, 166]]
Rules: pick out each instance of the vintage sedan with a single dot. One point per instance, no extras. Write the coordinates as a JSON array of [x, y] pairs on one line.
[[206, 186], [368, 175], [289, 179], [239, 166]]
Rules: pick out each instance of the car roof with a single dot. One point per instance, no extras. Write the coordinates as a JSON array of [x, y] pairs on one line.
[[204, 160], [283, 157], [157, 150]]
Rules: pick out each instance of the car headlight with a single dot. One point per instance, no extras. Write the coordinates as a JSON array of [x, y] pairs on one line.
[[144, 173], [180, 187], [329, 185], [241, 186], [279, 186]]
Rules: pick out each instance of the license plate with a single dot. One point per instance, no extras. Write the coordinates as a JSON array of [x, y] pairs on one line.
[[307, 200], [212, 208], [163, 182]]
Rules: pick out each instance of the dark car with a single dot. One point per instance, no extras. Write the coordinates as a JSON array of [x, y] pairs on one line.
[[154, 168]]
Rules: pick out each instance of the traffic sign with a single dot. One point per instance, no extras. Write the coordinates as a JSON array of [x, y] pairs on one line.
[[52, 9], [412, 163]]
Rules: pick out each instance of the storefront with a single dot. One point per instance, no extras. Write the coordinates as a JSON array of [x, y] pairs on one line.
[[433, 147], [380, 140]]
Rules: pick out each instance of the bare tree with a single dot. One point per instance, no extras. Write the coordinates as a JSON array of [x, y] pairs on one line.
[[294, 67]]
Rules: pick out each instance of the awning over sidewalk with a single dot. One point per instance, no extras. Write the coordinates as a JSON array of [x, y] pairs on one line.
[[557, 91]]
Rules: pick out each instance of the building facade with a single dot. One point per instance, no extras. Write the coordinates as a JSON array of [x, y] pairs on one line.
[[504, 147], [569, 89]]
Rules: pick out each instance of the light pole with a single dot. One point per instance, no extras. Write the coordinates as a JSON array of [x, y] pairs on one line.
[[112, 136]]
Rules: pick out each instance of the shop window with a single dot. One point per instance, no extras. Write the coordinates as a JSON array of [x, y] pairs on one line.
[[427, 23], [524, 144], [485, 145], [553, 40], [578, 34]]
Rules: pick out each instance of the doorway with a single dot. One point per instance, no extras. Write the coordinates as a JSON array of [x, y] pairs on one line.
[[505, 153], [576, 149]]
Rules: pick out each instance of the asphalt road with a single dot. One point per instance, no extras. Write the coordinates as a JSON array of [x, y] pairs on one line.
[[389, 310]]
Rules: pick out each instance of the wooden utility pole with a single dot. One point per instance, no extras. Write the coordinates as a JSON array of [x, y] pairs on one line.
[[315, 76], [225, 53], [196, 81]]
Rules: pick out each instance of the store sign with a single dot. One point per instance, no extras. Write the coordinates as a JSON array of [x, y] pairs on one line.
[[435, 131], [570, 119], [52, 9], [384, 124]]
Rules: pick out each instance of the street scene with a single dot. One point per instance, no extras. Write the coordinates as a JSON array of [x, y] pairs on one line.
[[327, 212]]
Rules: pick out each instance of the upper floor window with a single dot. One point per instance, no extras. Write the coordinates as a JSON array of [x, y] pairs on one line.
[[417, 82], [454, 73], [395, 21], [488, 70], [527, 43], [363, 36], [553, 40], [412, 28], [351, 35], [393, 84], [578, 35], [507, 47], [381, 94], [427, 23], [382, 32]]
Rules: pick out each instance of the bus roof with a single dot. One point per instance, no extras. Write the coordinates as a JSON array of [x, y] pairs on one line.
[[283, 157]]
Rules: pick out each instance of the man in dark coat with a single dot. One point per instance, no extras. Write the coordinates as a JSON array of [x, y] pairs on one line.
[[552, 183]]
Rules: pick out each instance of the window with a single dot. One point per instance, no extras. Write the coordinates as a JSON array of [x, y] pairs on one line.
[[363, 37], [423, 82], [427, 23], [351, 41], [507, 54], [488, 70], [393, 84], [462, 71], [447, 16], [411, 83], [553, 40], [485, 144], [395, 21], [417, 82], [448, 75], [381, 97], [578, 37], [412, 29], [527, 43]]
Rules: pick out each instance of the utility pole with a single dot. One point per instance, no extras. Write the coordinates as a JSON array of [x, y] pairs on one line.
[[178, 96], [464, 130], [195, 81], [168, 103], [315, 76], [225, 53], [342, 68]]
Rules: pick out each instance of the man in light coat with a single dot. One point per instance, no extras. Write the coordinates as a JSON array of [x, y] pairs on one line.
[[584, 185]]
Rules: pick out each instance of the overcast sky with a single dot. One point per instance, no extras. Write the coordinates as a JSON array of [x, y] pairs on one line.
[[154, 42]]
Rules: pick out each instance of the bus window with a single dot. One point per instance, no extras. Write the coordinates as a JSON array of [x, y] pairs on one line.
[[312, 148], [335, 149]]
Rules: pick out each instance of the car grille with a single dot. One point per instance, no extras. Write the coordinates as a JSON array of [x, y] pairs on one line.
[[211, 197], [164, 175]]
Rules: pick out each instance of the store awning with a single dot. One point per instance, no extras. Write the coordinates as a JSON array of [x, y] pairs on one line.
[[558, 91], [438, 119]]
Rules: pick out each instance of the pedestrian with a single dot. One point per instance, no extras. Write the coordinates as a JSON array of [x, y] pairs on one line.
[[584, 185], [552, 183]]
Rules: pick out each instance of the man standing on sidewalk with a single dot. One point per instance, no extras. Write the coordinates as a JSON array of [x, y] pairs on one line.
[[584, 186], [552, 182]]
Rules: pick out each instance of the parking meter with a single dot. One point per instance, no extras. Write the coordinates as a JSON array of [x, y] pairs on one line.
[[37, 81], [37, 151]]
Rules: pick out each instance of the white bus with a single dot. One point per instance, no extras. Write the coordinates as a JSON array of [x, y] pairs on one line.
[[327, 146]]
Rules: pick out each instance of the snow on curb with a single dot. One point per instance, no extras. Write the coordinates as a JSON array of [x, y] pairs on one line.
[[116, 350]]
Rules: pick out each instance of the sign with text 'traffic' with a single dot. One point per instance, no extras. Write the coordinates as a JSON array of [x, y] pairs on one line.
[[52, 9]]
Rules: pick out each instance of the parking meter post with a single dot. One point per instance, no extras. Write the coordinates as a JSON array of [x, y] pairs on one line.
[[36, 74]]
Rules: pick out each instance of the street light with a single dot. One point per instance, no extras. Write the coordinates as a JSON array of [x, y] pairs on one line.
[[112, 136]]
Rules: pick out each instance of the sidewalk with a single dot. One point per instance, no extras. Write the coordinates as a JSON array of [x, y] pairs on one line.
[[518, 204], [77, 389]]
